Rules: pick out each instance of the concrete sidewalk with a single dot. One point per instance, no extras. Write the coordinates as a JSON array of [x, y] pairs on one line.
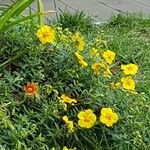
[[104, 9], [101, 10]]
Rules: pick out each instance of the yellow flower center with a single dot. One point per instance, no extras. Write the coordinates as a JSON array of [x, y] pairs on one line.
[[128, 83], [97, 66], [86, 119], [108, 117], [109, 57], [77, 42], [129, 68], [45, 34]]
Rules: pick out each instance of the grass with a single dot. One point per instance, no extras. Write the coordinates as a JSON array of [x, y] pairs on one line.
[[77, 21], [130, 36], [35, 123]]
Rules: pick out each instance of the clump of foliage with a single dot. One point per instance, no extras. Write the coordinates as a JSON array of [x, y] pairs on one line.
[[73, 91], [9, 14], [77, 21]]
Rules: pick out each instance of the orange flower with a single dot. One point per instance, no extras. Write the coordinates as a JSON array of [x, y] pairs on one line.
[[31, 89]]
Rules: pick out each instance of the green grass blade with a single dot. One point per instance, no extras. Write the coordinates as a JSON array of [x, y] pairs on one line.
[[26, 18], [13, 10], [40, 10], [13, 58]]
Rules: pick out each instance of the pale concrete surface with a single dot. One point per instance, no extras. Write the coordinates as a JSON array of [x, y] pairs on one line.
[[92, 8], [100, 10], [103, 9], [127, 5]]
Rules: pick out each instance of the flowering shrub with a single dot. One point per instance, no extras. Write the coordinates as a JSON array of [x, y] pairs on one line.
[[100, 61], [70, 91]]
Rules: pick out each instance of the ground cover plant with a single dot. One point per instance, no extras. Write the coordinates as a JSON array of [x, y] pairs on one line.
[[75, 90], [77, 21]]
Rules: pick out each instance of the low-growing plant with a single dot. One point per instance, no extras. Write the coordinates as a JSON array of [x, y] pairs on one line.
[[70, 91], [12, 15], [77, 21]]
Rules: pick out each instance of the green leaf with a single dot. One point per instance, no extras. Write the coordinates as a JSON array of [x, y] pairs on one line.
[[15, 9]]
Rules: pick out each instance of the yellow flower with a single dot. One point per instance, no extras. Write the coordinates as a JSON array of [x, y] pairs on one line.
[[83, 63], [94, 52], [115, 85], [78, 39], [86, 118], [129, 69], [128, 83], [65, 118], [69, 124], [96, 67], [81, 59], [107, 72], [65, 148], [108, 117], [46, 34], [78, 55], [66, 99], [109, 56]]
